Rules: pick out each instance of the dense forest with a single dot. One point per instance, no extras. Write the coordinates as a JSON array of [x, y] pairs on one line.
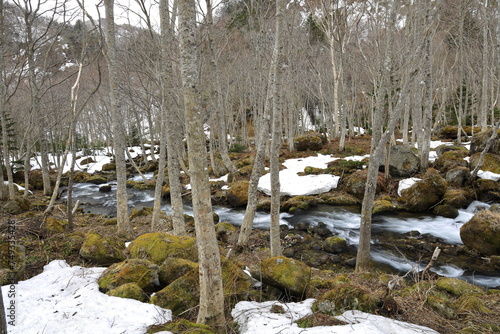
[[202, 79]]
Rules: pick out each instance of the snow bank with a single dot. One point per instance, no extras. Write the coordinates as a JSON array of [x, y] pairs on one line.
[[66, 299], [256, 318]]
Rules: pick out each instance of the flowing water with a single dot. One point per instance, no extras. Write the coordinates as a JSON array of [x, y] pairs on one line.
[[342, 221]]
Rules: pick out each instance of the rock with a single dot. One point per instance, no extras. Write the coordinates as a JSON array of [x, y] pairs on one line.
[[478, 143], [105, 188], [344, 297], [445, 210], [458, 198], [226, 232], [321, 230], [457, 287], [140, 212], [451, 160], [487, 190], [182, 326], [456, 177], [312, 141], [291, 276], [334, 245], [338, 198], [424, 194], [102, 250], [142, 272], [384, 205], [159, 246], [402, 161], [355, 184], [491, 162], [482, 232], [298, 203], [173, 268], [237, 195], [55, 226], [441, 305], [96, 179], [445, 148], [87, 161], [12, 263], [129, 290], [109, 167]]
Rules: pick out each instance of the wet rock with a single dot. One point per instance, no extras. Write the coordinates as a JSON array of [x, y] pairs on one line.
[[384, 205], [334, 245], [291, 276], [312, 141], [402, 161], [482, 232], [237, 195], [426, 193], [130, 291], [102, 250], [298, 203], [159, 246], [458, 198], [445, 210], [96, 179], [142, 272], [321, 230], [105, 188]]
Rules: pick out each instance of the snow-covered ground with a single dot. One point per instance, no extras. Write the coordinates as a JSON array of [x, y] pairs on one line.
[[66, 299]]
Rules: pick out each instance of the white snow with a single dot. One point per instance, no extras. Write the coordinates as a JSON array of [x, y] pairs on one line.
[[66, 299], [406, 183], [488, 175]]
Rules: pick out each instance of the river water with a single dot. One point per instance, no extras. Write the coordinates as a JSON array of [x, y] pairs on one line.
[[342, 221]]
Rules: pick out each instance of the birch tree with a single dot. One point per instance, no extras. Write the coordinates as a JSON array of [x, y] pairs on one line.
[[211, 310]]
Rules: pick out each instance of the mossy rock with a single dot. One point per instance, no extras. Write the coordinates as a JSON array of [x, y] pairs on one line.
[[457, 287], [105, 188], [13, 260], [479, 139], [159, 246], [109, 167], [96, 179], [55, 226], [102, 250], [291, 276], [312, 170], [491, 162], [184, 293], [140, 212], [181, 326], [355, 183], [441, 149], [312, 141], [458, 176], [344, 297], [450, 160], [298, 203], [16, 206], [482, 232], [226, 232], [384, 205], [334, 245], [458, 198], [441, 305], [338, 198], [342, 167], [445, 210], [237, 195], [110, 222], [426, 193], [129, 290], [470, 304], [86, 161], [142, 272], [173, 268]]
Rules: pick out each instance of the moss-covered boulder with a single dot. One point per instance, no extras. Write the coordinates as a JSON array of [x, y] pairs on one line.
[[334, 245], [458, 197], [96, 179], [16, 206], [441, 149], [450, 160], [140, 212], [109, 167], [312, 141], [482, 232], [102, 250], [445, 210], [142, 272], [184, 293], [442, 305], [491, 162], [344, 297], [457, 287], [288, 275], [105, 188], [478, 142], [181, 326], [384, 205], [296, 203], [12, 262], [129, 290], [226, 232], [424, 194], [338, 198], [158, 246], [457, 177], [54, 225], [237, 195], [402, 161], [355, 184], [173, 268]]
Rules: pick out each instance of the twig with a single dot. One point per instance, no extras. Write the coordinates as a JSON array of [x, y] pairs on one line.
[[435, 255]]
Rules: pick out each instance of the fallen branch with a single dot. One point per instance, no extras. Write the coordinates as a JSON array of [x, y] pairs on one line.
[[435, 256]]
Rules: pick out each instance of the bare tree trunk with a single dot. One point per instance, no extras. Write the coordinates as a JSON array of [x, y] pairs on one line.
[[123, 223], [211, 311], [485, 70]]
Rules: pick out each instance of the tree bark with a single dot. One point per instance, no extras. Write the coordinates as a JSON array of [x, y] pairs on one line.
[[211, 311]]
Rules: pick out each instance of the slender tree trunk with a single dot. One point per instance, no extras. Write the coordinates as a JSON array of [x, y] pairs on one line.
[[485, 70], [123, 223], [211, 311]]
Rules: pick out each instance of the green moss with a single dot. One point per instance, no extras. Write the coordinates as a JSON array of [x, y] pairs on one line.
[[299, 203], [140, 212], [383, 205], [102, 250], [181, 326], [96, 179], [345, 297], [109, 167], [180, 295], [457, 287], [441, 305], [129, 290], [289, 275], [482, 232], [334, 244], [470, 304], [237, 195], [54, 225], [159, 246], [173, 268], [142, 272], [338, 198]]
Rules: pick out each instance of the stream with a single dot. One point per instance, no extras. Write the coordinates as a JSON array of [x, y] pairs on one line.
[[342, 221]]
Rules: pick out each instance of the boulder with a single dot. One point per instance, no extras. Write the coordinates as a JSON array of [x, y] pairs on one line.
[[226, 232], [445, 148], [491, 162], [424, 194], [384, 205], [445, 210], [344, 297], [450, 160], [457, 287], [54, 225], [482, 232], [457, 176], [237, 195], [402, 161], [338, 198], [355, 184], [478, 143], [158, 246], [129, 290], [458, 197], [102, 250], [288, 275], [106, 188], [312, 141], [109, 167], [96, 179], [334, 245], [488, 190], [142, 272], [298, 203], [12, 263], [173, 268]]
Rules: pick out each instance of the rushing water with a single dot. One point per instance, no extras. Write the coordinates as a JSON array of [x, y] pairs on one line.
[[342, 221]]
